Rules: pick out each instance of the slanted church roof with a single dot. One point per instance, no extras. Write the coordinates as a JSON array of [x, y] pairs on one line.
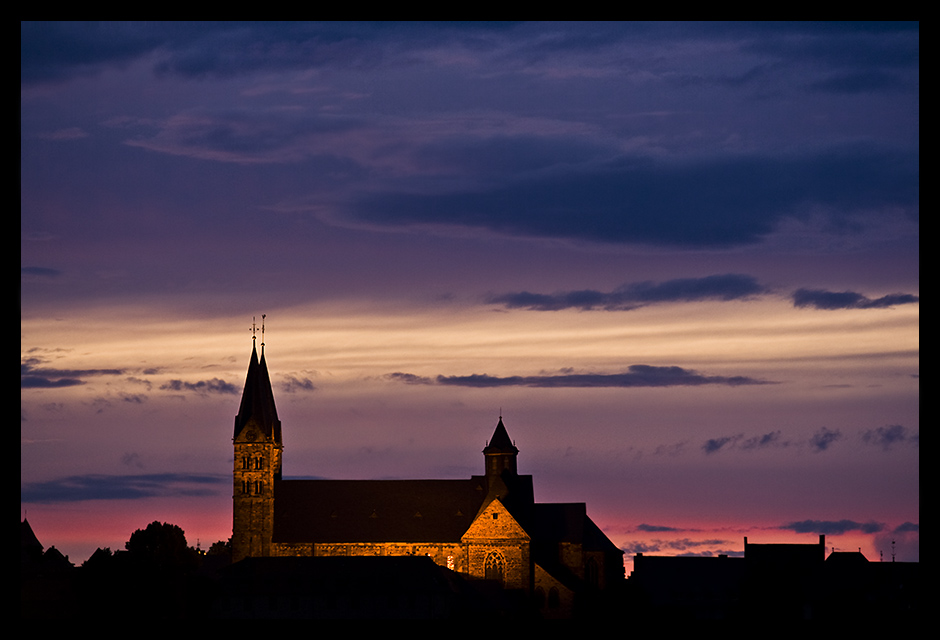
[[376, 510]]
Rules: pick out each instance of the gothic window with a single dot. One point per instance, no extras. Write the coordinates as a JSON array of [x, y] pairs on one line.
[[554, 601], [494, 566], [246, 486], [259, 463]]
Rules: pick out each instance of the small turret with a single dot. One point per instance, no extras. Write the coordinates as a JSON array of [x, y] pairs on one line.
[[500, 453]]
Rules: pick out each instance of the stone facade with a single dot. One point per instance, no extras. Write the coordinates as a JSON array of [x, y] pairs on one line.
[[498, 548]]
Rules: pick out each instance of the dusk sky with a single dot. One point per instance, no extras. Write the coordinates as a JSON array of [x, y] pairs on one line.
[[681, 260]]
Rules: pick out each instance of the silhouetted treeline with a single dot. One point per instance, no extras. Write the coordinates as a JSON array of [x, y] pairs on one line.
[[157, 576]]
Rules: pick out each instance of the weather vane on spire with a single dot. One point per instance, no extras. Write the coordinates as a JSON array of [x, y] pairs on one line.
[[263, 316], [254, 328]]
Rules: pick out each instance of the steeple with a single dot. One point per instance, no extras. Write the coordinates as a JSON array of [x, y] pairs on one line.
[[500, 453], [257, 406]]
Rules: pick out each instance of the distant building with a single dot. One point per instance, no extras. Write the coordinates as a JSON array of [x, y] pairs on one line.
[[774, 582], [487, 527]]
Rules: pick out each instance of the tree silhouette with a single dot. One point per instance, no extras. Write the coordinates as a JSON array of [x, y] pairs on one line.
[[161, 547], [221, 548]]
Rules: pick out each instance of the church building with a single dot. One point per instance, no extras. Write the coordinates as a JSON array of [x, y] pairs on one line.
[[487, 527]]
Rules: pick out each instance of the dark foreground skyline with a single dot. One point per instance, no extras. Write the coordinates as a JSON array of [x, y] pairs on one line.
[[159, 577], [680, 259]]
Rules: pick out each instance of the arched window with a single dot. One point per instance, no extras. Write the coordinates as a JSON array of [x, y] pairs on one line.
[[494, 566], [554, 601]]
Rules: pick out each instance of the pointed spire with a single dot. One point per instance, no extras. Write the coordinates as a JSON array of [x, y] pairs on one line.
[[257, 404], [263, 316], [500, 442]]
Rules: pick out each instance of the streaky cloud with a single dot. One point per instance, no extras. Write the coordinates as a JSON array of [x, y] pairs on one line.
[[121, 487], [42, 272], [684, 544], [32, 377], [215, 385], [833, 527], [655, 528], [39, 382], [408, 378], [828, 300], [638, 375], [293, 384], [772, 439], [724, 287]]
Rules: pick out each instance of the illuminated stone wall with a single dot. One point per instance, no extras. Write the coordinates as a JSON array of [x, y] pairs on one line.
[[253, 496], [498, 548], [452, 556]]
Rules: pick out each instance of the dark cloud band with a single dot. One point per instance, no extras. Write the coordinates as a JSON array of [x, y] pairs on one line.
[[822, 299], [692, 204], [126, 487], [638, 375], [724, 287], [33, 377], [833, 527]]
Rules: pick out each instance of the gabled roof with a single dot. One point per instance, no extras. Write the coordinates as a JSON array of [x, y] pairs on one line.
[[257, 403], [484, 527]]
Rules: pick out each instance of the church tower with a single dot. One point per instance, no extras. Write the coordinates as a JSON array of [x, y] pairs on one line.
[[258, 448]]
